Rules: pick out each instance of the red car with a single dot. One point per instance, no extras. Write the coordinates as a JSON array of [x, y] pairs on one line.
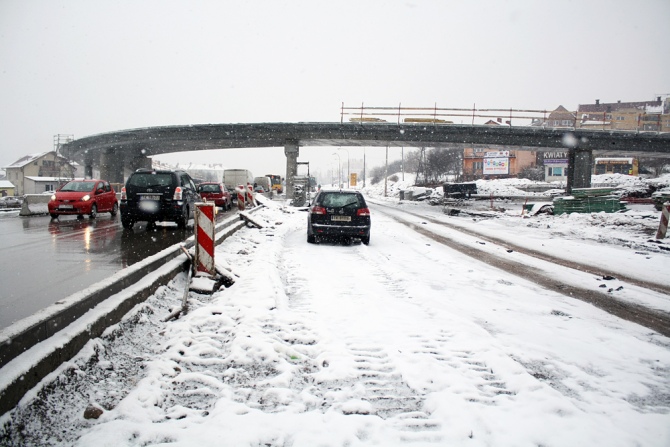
[[84, 197], [217, 193]]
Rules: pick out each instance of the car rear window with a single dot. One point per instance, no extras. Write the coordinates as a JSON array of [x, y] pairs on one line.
[[340, 200], [210, 188], [150, 179]]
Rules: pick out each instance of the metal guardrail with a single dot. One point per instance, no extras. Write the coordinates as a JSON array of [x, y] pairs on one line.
[[67, 315]]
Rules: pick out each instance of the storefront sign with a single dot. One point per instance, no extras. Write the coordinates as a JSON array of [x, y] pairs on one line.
[[555, 158], [498, 154]]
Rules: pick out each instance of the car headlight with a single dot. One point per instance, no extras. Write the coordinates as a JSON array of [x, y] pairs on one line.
[[86, 198], [53, 196]]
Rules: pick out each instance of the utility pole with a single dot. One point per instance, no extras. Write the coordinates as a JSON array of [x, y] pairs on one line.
[[386, 171], [348, 170], [363, 166], [339, 170], [422, 166]]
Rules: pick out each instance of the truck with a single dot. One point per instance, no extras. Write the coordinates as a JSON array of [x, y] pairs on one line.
[[276, 183], [232, 178]]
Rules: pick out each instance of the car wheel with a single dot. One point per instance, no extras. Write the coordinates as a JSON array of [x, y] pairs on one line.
[[127, 223], [365, 240], [115, 209], [54, 216], [311, 239], [94, 211]]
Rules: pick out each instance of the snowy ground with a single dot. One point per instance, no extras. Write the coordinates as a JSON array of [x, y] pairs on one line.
[[402, 342]]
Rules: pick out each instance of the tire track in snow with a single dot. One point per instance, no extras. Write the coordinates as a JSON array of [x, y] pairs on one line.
[[379, 388], [656, 320], [507, 244], [385, 393]]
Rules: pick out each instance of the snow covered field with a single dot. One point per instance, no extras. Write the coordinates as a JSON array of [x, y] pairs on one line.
[[402, 342]]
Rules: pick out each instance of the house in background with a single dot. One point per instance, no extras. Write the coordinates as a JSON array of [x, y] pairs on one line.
[[37, 173], [648, 116], [638, 115], [39, 185], [560, 117], [488, 163], [492, 163], [6, 188]]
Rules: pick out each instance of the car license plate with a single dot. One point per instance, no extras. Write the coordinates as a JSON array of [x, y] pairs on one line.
[[150, 197], [65, 207], [341, 218]]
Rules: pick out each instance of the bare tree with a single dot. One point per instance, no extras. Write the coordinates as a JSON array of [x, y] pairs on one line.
[[429, 165], [441, 162], [656, 166]]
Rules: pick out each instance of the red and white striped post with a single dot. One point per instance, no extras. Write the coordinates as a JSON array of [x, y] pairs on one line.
[[204, 238], [241, 194], [665, 216], [250, 196]]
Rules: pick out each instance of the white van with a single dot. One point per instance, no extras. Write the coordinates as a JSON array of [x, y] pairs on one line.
[[265, 183]]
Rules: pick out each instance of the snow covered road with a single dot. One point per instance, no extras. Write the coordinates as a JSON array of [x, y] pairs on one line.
[[402, 342]]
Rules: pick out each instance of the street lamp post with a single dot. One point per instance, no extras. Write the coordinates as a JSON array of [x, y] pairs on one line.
[[348, 169], [339, 170], [363, 166]]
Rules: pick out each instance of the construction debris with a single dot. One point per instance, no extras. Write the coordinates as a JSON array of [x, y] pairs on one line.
[[589, 200]]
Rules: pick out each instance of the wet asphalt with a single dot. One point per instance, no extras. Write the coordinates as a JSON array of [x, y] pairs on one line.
[[45, 260]]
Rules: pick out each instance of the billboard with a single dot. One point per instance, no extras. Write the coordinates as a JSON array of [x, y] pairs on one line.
[[496, 163]]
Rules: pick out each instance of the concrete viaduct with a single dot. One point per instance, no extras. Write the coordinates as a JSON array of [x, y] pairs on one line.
[[116, 154]]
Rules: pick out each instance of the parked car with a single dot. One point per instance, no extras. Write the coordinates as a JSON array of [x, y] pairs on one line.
[[84, 197], [157, 196], [11, 202], [338, 214], [217, 193]]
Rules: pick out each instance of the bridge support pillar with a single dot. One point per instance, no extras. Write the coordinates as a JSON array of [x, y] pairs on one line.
[[111, 166], [291, 150], [580, 165], [135, 162]]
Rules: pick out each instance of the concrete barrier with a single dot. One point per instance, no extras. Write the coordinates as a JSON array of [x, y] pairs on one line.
[[35, 204], [32, 348]]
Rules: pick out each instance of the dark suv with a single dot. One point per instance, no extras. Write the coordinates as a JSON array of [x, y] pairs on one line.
[[158, 195], [340, 214]]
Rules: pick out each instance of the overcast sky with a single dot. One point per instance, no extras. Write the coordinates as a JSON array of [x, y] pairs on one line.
[[85, 67]]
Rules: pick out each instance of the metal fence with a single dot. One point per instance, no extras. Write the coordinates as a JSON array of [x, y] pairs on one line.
[[509, 117]]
